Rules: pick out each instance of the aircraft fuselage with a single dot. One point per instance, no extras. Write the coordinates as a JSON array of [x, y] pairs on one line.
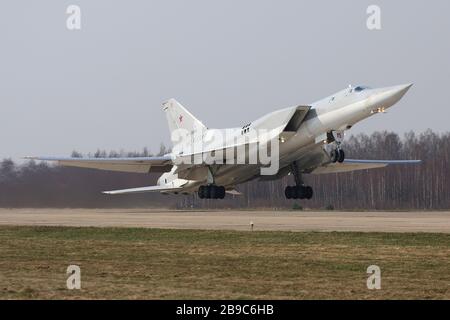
[[336, 113]]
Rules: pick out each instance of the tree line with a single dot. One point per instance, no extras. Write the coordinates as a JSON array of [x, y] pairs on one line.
[[424, 186]]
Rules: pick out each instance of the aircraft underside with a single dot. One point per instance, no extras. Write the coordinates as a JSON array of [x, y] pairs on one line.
[[226, 177]]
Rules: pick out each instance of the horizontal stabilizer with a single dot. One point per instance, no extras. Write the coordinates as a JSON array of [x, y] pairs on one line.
[[143, 190]]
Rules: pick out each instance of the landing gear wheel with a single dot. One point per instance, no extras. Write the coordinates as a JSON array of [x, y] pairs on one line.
[[341, 157], [211, 192], [337, 155], [298, 192], [308, 192], [334, 156], [207, 192], [201, 192], [221, 193], [288, 192]]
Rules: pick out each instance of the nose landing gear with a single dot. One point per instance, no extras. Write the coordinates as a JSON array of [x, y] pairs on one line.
[[337, 155]]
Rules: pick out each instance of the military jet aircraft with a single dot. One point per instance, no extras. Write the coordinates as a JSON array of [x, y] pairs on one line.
[[303, 139]]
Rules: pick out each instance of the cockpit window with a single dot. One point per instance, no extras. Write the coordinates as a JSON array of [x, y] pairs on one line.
[[360, 88]]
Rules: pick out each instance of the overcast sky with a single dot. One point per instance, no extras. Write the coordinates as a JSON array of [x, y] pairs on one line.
[[228, 62]]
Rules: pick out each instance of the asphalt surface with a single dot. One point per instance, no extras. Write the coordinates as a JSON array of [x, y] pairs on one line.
[[233, 219]]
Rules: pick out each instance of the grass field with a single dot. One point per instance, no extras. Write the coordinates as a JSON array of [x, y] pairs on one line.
[[121, 263]]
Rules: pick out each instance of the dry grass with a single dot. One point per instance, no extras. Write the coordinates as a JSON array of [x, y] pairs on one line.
[[121, 263]]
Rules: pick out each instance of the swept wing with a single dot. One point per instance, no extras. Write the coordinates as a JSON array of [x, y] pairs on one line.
[[139, 164]]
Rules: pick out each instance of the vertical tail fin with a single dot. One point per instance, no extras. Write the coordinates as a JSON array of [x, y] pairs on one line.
[[179, 118]]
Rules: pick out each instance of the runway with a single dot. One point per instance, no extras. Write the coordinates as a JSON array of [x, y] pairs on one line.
[[233, 220]]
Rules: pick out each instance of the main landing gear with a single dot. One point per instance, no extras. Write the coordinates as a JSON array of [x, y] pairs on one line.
[[211, 191], [299, 191]]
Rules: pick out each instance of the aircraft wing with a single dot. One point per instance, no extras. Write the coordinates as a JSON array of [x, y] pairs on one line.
[[353, 165], [144, 190], [139, 164]]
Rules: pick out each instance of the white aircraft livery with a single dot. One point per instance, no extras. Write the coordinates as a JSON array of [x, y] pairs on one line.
[[298, 140]]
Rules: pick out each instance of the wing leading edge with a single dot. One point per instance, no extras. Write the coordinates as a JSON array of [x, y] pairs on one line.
[[138, 165]]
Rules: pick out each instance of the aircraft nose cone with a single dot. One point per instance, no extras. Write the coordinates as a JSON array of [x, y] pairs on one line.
[[400, 91], [391, 95]]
